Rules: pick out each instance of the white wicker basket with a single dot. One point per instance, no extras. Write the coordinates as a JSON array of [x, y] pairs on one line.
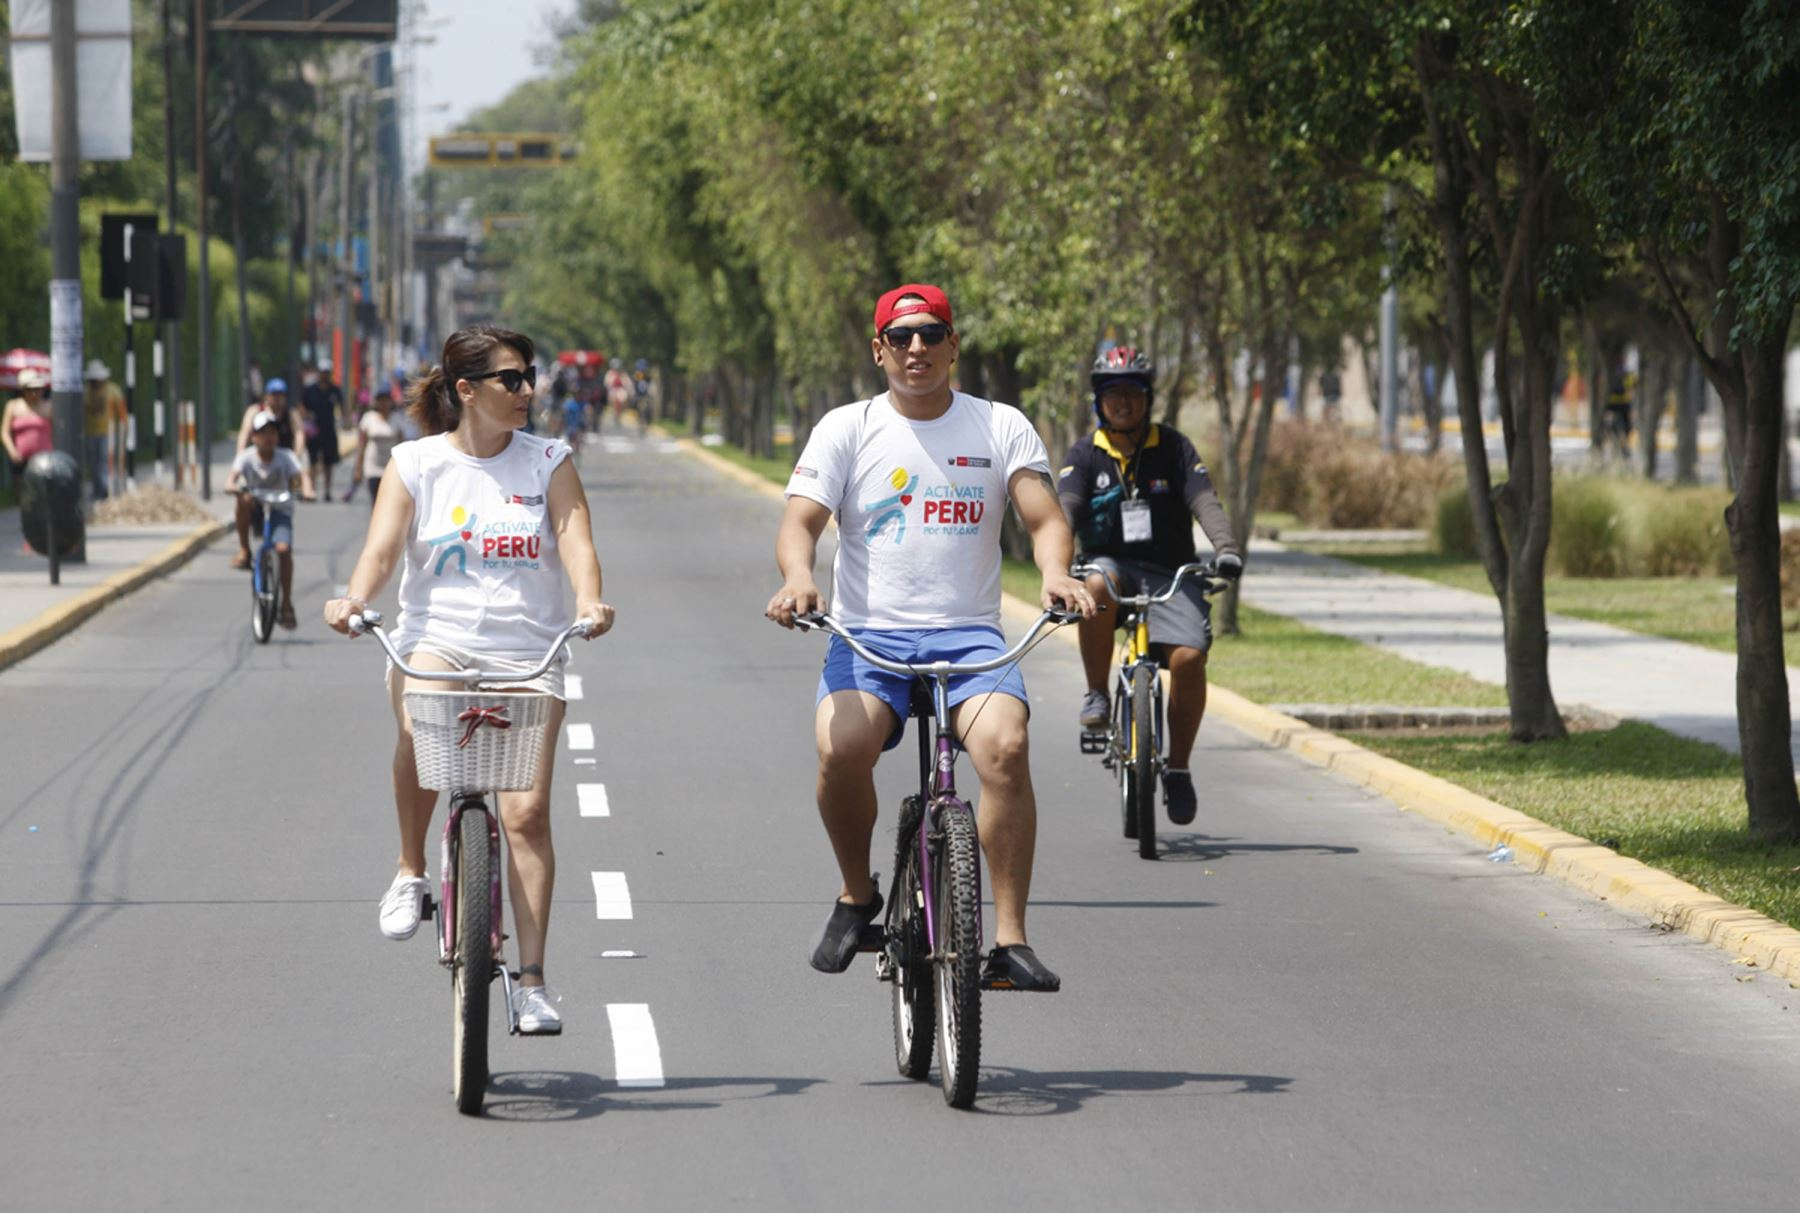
[[478, 741]]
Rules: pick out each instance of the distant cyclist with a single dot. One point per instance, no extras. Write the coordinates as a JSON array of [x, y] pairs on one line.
[[920, 479], [264, 466], [619, 390], [1132, 490], [487, 522]]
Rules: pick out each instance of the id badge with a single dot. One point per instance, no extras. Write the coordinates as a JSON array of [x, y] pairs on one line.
[[1135, 517]]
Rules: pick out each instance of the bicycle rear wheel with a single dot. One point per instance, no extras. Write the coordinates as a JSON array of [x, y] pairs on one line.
[[1143, 756], [262, 602], [472, 967], [1121, 756], [958, 959], [915, 1019]]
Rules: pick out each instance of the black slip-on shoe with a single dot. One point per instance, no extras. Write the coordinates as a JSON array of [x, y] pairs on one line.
[[842, 937], [1016, 967], [1178, 796]]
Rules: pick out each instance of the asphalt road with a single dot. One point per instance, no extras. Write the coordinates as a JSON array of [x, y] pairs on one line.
[[1313, 1000]]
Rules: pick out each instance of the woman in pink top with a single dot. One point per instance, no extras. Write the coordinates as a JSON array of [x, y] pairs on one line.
[[25, 426]]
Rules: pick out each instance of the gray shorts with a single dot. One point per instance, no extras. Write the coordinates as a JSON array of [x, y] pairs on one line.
[[1185, 621]]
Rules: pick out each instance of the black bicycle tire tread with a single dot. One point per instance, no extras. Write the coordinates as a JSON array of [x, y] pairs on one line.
[[264, 604], [475, 961], [1121, 764], [1143, 774], [913, 985], [960, 928]]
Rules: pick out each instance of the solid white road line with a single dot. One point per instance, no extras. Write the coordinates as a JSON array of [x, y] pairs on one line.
[[581, 737], [593, 800], [621, 954], [612, 898], [637, 1058], [572, 687]]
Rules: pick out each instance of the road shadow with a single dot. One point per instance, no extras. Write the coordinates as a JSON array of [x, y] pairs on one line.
[[1010, 1091], [1192, 848], [558, 1095]]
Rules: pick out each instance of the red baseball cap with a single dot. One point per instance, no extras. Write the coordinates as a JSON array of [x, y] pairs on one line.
[[888, 308]]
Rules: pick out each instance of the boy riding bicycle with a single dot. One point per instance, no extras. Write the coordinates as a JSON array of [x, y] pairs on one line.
[[920, 478], [267, 468], [1132, 490]]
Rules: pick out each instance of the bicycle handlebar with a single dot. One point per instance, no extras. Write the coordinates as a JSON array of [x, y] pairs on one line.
[[934, 669], [370, 622], [1207, 569]]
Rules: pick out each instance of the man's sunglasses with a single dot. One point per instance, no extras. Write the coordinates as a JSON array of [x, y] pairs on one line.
[[898, 337], [509, 378]]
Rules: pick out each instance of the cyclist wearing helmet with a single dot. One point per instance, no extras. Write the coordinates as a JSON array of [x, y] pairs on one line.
[[1132, 490]]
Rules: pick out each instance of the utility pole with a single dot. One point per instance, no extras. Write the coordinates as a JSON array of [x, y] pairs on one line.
[[171, 357], [65, 251], [346, 249], [202, 396]]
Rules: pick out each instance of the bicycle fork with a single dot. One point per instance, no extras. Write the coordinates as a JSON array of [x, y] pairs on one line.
[[451, 868]]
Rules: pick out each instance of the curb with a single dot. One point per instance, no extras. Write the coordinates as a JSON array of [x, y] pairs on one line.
[[65, 617], [1758, 940]]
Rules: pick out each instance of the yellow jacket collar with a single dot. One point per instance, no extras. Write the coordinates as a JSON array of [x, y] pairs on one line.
[[1102, 441]]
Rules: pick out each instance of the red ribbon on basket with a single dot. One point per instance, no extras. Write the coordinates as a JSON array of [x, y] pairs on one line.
[[476, 717]]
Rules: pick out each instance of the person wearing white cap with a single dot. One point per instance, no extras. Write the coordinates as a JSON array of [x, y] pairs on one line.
[[102, 406], [25, 423]]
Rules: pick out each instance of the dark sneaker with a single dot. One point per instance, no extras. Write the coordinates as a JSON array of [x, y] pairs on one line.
[[1178, 795], [1016, 967], [842, 938], [1094, 710]]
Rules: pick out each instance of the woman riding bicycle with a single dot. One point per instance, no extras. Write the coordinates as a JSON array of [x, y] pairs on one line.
[[488, 522]]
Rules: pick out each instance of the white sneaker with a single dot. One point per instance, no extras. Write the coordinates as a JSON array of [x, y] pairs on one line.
[[535, 1006], [403, 905]]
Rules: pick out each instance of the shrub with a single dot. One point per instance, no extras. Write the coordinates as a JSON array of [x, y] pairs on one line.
[[1331, 478], [1453, 526], [1681, 533], [1587, 529]]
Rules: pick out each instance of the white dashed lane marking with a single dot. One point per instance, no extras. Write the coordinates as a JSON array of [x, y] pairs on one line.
[[637, 1058], [572, 689], [581, 737], [612, 898], [592, 797]]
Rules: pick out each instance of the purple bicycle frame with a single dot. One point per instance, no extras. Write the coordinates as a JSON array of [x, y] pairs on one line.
[[447, 882], [943, 800]]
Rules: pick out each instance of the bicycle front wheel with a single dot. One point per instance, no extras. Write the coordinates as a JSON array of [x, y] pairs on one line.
[[958, 960], [472, 966], [262, 602], [1143, 755], [1121, 756], [915, 1019]]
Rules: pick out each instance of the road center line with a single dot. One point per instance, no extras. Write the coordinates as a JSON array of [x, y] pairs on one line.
[[581, 737], [572, 689], [637, 1058], [612, 898], [592, 797]]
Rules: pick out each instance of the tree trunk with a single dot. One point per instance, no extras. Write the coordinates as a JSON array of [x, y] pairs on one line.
[[1177, 381], [1764, 715], [1653, 401], [1003, 375], [1689, 394]]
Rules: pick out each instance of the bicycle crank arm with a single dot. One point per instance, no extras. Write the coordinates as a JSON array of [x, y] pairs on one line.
[[506, 991]]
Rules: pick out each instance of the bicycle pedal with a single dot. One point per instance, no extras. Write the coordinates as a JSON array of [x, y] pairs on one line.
[[1093, 743], [884, 966], [871, 938], [427, 908]]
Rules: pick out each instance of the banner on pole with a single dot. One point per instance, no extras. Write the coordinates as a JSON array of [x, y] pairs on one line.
[[102, 65]]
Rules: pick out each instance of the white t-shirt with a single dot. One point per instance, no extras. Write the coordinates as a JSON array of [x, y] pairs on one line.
[[482, 570], [379, 436], [275, 476], [919, 506]]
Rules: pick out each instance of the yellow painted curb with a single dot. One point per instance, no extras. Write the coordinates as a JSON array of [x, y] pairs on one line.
[[1599, 871], [65, 617]]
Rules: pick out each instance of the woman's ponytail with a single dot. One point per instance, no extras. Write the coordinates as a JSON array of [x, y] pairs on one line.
[[467, 351], [431, 405]]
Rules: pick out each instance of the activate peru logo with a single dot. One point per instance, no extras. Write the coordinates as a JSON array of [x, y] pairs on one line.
[[888, 519]]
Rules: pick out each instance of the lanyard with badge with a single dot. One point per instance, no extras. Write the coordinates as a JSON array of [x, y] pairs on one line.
[[1134, 511]]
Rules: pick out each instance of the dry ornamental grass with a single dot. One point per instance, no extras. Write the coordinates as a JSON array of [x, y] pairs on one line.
[[149, 505]]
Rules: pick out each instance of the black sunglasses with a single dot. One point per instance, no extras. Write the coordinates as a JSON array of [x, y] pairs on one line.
[[898, 337], [509, 378]]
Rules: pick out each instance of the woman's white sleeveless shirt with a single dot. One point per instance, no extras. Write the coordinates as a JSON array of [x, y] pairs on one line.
[[482, 569]]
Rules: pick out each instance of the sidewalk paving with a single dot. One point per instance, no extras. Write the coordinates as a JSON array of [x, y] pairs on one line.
[[1683, 688]]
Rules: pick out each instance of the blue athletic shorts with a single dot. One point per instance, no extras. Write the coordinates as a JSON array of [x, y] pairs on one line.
[[281, 529], [845, 671]]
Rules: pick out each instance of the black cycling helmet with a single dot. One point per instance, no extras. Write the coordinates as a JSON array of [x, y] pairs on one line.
[[1122, 364]]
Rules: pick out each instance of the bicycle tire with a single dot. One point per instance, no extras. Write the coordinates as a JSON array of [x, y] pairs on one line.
[[472, 969], [915, 1012], [1143, 755], [957, 963], [1121, 745], [262, 602]]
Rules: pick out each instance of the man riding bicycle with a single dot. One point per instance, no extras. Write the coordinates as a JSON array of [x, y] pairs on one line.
[[920, 478], [1132, 490]]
